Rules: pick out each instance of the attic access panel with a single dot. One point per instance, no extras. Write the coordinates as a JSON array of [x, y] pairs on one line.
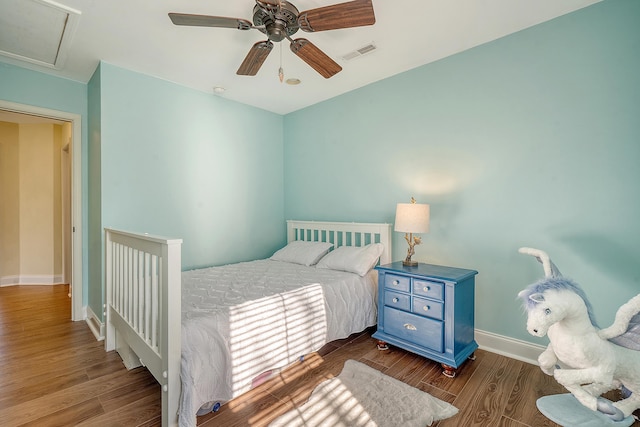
[[36, 31]]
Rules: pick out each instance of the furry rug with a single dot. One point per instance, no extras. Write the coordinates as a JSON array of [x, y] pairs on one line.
[[364, 397]]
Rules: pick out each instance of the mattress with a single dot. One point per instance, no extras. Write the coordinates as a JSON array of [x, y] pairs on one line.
[[241, 320]]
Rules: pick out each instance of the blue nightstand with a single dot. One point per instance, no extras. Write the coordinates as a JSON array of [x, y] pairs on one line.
[[427, 310]]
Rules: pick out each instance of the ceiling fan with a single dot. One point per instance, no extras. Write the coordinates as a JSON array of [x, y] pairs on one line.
[[279, 19]]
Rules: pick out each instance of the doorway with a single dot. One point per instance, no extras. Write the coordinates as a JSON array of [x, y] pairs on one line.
[[72, 232]]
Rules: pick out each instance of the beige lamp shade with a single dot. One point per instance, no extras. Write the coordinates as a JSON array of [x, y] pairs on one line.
[[412, 218]]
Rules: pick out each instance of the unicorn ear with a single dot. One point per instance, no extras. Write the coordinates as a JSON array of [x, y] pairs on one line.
[[538, 297]]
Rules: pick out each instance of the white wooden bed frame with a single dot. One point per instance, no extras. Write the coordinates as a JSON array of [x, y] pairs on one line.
[[143, 273]]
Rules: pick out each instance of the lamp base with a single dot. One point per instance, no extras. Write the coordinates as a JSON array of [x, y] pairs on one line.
[[410, 263]]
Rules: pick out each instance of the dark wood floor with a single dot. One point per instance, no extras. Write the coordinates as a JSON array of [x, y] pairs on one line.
[[54, 373]]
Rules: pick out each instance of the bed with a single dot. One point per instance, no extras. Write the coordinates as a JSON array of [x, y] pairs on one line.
[[209, 335]]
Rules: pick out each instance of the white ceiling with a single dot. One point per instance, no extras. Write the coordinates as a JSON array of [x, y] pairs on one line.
[[138, 35]]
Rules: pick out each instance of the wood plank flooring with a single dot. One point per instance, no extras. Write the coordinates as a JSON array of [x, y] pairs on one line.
[[54, 373]]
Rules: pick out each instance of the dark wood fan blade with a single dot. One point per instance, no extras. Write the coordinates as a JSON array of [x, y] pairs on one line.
[[355, 13], [317, 59], [254, 59], [209, 21]]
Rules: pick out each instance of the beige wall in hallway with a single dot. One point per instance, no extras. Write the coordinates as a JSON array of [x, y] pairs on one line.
[[9, 201], [36, 178]]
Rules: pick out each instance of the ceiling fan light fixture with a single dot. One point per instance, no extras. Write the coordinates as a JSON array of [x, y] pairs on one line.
[[293, 81]]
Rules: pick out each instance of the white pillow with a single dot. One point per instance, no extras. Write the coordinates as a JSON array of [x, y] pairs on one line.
[[353, 259], [302, 252]]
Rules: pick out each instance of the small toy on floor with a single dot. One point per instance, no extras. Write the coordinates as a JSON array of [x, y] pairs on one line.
[[595, 360]]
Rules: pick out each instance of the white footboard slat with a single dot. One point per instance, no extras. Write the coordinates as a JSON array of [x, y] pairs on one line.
[[142, 279]]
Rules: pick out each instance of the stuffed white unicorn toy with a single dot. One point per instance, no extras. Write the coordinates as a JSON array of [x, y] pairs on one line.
[[596, 360]]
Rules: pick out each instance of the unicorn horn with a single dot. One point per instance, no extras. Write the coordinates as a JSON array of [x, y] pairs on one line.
[[550, 270]]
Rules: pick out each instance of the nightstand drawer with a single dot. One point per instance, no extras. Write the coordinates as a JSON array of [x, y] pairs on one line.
[[415, 329], [427, 307], [429, 289], [398, 283], [397, 300]]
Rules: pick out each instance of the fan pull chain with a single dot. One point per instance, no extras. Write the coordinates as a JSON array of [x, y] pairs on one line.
[[280, 70]]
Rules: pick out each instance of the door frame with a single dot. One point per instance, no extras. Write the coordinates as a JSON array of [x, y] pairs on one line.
[[77, 308]]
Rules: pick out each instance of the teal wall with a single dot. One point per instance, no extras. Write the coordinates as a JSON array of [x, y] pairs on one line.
[[28, 87], [531, 140], [182, 163], [95, 243]]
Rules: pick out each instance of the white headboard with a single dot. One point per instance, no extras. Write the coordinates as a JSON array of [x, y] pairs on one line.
[[342, 234]]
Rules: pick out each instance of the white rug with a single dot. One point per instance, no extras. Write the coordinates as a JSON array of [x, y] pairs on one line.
[[364, 397]]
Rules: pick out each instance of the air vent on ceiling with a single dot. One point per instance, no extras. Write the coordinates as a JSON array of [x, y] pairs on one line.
[[359, 52], [36, 31]]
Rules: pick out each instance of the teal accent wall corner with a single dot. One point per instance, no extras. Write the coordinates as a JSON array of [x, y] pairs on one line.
[[185, 164]]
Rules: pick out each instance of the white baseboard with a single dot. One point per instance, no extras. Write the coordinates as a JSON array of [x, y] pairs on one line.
[[96, 326], [32, 279], [509, 347]]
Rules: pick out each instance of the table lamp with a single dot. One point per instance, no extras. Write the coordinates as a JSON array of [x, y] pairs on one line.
[[412, 218]]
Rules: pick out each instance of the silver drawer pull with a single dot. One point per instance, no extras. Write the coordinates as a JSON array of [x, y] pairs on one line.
[[396, 282], [410, 327], [426, 308], [426, 289], [395, 300]]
